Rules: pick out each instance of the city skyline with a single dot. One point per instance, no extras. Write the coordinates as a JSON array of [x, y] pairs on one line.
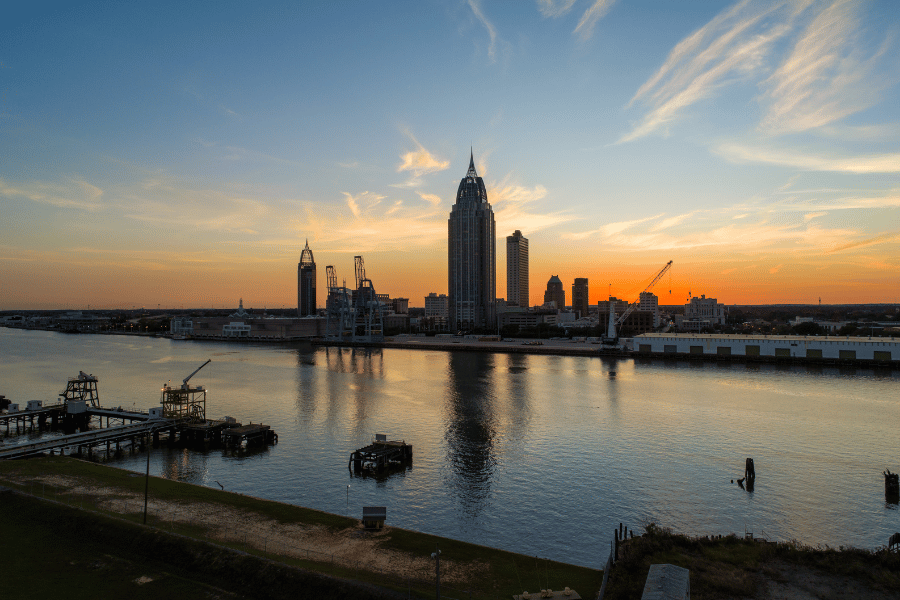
[[158, 155]]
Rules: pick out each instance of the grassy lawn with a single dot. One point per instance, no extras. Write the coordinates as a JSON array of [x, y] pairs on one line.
[[491, 573]]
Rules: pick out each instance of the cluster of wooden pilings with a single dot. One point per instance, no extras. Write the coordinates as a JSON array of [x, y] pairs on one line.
[[381, 455]]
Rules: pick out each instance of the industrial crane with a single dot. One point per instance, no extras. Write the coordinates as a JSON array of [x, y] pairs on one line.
[[184, 384], [612, 337]]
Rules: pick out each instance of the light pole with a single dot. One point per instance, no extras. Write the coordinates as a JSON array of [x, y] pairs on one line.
[[147, 478], [436, 555]]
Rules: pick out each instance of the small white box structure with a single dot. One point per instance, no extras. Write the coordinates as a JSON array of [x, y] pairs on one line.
[[34, 405], [156, 412], [667, 582], [12, 408], [76, 407], [229, 420]]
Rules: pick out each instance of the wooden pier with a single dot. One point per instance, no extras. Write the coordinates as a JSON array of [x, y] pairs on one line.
[[180, 420], [381, 454]]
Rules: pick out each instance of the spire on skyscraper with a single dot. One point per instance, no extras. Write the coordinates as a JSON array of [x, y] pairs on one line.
[[471, 172]]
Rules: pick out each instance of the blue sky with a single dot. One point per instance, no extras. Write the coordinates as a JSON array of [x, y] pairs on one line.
[[181, 155]]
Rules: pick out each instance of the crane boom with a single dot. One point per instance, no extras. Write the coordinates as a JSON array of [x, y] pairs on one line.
[[634, 304], [611, 336], [186, 379]]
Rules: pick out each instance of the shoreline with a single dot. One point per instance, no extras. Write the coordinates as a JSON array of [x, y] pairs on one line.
[[546, 347]]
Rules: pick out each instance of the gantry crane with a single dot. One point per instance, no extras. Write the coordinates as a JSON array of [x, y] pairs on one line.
[[612, 337]]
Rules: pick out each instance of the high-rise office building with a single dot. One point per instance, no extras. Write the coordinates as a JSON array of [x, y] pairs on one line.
[[580, 296], [517, 269], [555, 293], [649, 302], [471, 256], [306, 283]]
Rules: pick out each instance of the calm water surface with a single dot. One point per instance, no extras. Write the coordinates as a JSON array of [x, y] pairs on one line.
[[542, 455]]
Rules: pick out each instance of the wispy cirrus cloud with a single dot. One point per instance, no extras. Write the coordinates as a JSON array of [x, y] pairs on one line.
[[475, 5], [72, 193], [432, 199], [585, 28], [884, 238], [555, 8], [514, 207], [731, 45], [823, 77], [799, 159], [598, 10], [827, 76]]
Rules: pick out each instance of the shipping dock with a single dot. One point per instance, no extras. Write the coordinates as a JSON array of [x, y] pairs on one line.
[[179, 420]]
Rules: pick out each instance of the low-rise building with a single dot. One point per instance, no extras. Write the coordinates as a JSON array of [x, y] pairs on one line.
[[826, 348]]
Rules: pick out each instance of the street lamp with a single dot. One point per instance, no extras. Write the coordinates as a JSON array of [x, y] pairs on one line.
[[436, 555]]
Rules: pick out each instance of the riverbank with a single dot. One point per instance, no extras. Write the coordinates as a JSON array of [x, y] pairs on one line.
[[333, 547], [748, 567]]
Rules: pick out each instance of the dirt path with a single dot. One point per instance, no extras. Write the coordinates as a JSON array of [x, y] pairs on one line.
[[352, 547]]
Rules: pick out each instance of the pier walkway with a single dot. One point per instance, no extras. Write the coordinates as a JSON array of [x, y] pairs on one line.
[[110, 434]]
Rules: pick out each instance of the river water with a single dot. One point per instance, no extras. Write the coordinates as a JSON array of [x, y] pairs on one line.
[[543, 455]]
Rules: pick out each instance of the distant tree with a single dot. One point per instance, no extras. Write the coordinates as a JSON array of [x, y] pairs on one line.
[[808, 329], [848, 329]]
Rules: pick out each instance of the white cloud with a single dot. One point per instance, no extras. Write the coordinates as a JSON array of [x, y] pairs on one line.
[[825, 78], [420, 161], [865, 163], [475, 5], [433, 199], [555, 8], [597, 11], [74, 193], [513, 206]]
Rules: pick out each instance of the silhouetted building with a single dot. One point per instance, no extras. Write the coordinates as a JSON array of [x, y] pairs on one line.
[[555, 293], [471, 255], [517, 269], [580, 296], [306, 283]]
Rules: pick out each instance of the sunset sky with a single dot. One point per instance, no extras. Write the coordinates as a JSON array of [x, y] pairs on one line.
[[181, 154]]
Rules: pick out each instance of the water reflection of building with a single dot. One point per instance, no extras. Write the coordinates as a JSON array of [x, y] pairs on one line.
[[471, 427]]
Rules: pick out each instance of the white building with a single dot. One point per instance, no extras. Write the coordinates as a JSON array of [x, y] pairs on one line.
[[649, 302], [181, 325], [437, 306], [827, 348], [703, 312]]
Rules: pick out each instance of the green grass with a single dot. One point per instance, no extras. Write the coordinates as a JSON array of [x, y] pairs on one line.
[[495, 573], [732, 567]]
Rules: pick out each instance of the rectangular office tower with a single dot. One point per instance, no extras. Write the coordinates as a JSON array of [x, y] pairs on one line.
[[471, 256], [517, 269], [580, 296]]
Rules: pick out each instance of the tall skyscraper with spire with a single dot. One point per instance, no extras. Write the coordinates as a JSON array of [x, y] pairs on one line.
[[472, 267], [306, 283]]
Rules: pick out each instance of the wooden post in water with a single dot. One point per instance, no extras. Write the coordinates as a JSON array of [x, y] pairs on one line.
[[891, 487]]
